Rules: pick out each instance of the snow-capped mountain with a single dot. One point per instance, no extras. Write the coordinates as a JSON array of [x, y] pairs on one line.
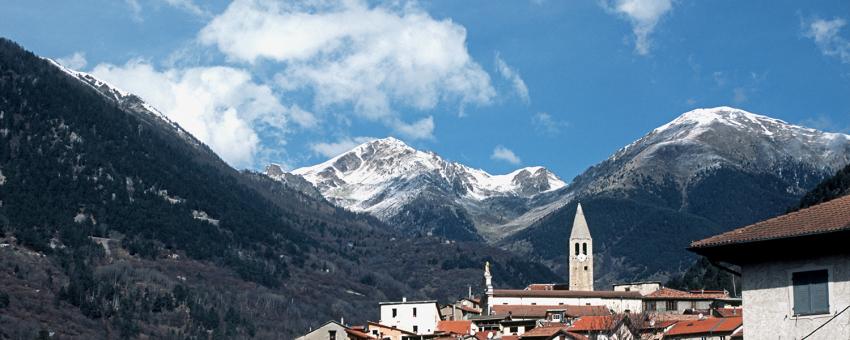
[[704, 140], [416, 189], [705, 172]]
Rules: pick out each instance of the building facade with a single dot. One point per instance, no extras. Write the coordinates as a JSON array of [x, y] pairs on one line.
[[795, 272], [419, 317]]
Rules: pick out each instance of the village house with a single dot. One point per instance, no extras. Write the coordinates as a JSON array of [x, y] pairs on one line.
[[794, 269], [707, 328], [385, 332], [607, 327], [333, 330], [419, 317]]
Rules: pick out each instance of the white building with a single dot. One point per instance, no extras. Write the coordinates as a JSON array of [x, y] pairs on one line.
[[418, 317], [795, 272]]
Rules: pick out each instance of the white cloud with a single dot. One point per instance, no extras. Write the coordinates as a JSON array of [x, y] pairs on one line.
[[221, 106], [502, 153], [513, 76], [188, 6], [643, 15], [332, 149], [135, 9], [375, 59], [420, 129], [825, 33], [544, 122], [75, 61], [739, 95]]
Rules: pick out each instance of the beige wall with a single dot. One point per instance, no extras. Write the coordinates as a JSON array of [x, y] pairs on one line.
[[323, 333]]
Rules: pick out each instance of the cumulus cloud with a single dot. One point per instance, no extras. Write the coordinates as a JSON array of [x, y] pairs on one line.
[[643, 15], [188, 6], [332, 149], [221, 106], [374, 59], [501, 153], [544, 123], [75, 61], [825, 33], [512, 76]]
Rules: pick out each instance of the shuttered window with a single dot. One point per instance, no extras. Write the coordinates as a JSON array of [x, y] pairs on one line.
[[811, 292]]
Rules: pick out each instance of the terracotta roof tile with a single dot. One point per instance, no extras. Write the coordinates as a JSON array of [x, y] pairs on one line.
[[544, 331], [670, 293], [539, 311], [729, 312], [826, 217], [460, 327], [593, 323], [707, 326]]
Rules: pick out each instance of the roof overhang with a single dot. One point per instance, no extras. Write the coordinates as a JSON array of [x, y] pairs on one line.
[[789, 248]]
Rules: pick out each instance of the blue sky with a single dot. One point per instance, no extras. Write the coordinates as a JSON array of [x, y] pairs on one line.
[[495, 85]]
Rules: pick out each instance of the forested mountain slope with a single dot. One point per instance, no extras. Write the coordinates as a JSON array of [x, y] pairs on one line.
[[116, 223]]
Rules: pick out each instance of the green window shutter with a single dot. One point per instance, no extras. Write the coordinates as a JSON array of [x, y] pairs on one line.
[[819, 290], [811, 292]]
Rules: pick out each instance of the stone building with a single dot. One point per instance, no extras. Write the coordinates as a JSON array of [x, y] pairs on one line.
[[580, 254], [794, 269]]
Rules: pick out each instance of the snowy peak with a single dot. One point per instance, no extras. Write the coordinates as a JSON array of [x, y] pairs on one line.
[[693, 123], [383, 176], [704, 140]]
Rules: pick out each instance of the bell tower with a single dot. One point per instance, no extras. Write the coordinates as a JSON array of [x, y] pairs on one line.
[[580, 254]]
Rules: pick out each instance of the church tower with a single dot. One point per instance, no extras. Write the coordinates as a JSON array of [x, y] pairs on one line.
[[580, 254]]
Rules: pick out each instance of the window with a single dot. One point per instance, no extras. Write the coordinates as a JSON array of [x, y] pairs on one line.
[[414, 312], [514, 329], [650, 306], [672, 305], [576, 249], [585, 267], [395, 312], [332, 335], [584, 248], [415, 329], [811, 292]]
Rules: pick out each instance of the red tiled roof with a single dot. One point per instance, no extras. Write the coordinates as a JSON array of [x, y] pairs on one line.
[[675, 294], [549, 332], [544, 331], [483, 335], [729, 312], [460, 327], [826, 217], [539, 311], [356, 334], [658, 324], [510, 337], [593, 323], [707, 326], [566, 293], [739, 334]]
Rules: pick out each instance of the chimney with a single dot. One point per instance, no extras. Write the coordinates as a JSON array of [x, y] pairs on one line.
[[403, 299], [342, 320]]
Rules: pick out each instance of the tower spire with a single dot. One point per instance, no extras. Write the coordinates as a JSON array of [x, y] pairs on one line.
[[580, 254], [580, 229]]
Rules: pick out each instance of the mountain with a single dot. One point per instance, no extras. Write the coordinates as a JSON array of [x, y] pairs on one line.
[[117, 223], [423, 194], [707, 171]]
